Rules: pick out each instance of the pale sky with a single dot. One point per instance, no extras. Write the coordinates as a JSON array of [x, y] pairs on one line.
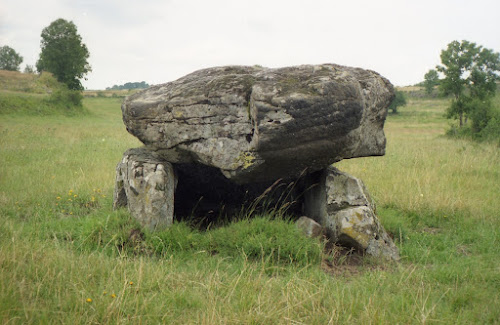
[[159, 41]]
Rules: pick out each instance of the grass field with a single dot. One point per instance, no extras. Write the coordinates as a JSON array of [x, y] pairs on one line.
[[66, 257]]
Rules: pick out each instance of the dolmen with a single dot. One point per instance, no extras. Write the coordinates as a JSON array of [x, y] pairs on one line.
[[219, 138]]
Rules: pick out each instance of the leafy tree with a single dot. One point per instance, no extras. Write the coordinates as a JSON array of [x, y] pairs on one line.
[[470, 74], [29, 69], [431, 79], [64, 54], [399, 100], [9, 59]]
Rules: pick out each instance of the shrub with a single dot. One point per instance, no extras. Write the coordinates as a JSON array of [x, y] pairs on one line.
[[66, 98], [46, 82], [491, 132], [399, 100]]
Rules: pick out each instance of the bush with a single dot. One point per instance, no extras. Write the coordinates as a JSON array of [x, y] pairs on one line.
[[491, 132], [66, 98], [46, 82], [399, 100], [480, 114], [484, 123]]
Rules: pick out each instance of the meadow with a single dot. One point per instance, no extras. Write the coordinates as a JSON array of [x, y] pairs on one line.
[[67, 257]]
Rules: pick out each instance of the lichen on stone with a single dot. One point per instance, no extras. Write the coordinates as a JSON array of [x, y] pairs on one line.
[[244, 160]]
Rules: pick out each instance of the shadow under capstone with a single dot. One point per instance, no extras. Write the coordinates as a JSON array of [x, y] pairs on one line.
[[205, 197]]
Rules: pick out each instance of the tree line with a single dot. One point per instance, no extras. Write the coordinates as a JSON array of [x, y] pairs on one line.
[[129, 85]]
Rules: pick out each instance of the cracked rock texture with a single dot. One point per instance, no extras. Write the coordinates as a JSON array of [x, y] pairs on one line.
[[258, 124], [146, 186], [341, 204]]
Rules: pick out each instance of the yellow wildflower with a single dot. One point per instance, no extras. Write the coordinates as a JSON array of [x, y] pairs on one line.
[[89, 300], [113, 295]]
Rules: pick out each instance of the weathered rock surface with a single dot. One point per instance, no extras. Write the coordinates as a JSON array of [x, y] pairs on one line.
[[146, 185], [338, 204], [309, 227], [257, 124], [227, 134], [341, 204]]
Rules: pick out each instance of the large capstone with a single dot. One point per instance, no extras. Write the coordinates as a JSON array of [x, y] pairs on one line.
[[227, 140], [256, 124]]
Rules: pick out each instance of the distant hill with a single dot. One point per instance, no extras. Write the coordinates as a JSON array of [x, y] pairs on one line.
[[130, 85], [16, 81], [37, 94]]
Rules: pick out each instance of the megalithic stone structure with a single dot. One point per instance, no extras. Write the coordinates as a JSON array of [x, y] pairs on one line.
[[239, 129]]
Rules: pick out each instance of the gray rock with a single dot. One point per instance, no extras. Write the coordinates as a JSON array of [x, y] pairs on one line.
[[309, 227], [360, 228], [342, 204], [345, 191], [146, 184], [257, 124]]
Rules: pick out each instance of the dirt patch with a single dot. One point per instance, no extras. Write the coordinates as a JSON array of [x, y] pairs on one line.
[[344, 262], [431, 230], [463, 250]]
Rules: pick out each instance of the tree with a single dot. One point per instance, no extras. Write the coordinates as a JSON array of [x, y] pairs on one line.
[[399, 100], [470, 75], [29, 69], [64, 54], [9, 59], [431, 79]]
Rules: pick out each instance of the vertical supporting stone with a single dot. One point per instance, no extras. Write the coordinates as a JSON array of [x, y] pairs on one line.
[[342, 204], [146, 185]]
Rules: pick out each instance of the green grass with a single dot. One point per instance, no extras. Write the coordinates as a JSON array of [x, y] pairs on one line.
[[37, 95], [61, 243]]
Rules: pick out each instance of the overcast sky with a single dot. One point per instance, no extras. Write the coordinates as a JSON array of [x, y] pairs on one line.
[[161, 40]]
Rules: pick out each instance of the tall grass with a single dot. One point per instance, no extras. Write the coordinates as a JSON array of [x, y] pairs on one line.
[[67, 259], [425, 171]]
